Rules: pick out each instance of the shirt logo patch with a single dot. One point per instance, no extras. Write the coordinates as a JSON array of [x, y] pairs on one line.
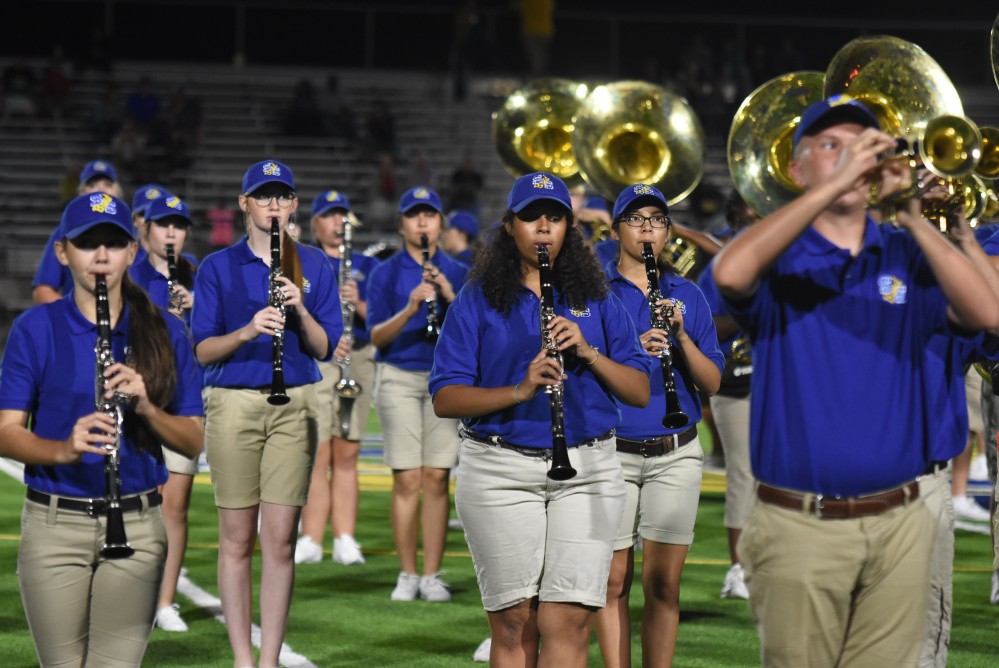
[[679, 305], [101, 203], [892, 289], [542, 181], [577, 313], [306, 286], [271, 169], [173, 202]]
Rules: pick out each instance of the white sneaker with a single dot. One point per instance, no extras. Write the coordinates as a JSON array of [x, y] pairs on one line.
[[307, 552], [994, 599], [481, 654], [347, 551], [168, 619], [434, 589], [407, 587], [966, 509], [735, 583]]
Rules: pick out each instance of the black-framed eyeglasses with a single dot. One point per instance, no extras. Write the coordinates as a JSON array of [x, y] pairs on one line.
[[283, 201], [657, 222]]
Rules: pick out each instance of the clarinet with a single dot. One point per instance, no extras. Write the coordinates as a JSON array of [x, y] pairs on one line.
[[347, 388], [433, 329], [560, 469], [172, 280], [116, 544], [278, 396], [659, 316]]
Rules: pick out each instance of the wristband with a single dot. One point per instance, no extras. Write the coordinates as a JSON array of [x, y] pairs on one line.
[[595, 357], [515, 393]]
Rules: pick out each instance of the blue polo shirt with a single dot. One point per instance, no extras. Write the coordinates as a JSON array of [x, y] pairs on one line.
[[153, 282], [50, 272], [389, 285], [606, 251], [481, 347], [48, 370], [641, 423], [839, 405], [361, 266], [742, 370], [232, 285]]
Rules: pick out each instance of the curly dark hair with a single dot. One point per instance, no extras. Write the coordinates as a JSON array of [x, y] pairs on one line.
[[575, 272]]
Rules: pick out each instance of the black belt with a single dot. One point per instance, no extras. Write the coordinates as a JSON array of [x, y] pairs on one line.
[[527, 451], [95, 507], [656, 447], [262, 389], [839, 508]]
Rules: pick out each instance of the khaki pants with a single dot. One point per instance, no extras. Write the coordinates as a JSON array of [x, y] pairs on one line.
[[841, 593], [935, 492], [84, 610], [732, 419]]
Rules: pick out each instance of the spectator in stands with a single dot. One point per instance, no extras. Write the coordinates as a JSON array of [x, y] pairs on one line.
[[337, 112], [421, 172], [52, 280], [380, 126], [303, 117], [19, 85], [463, 228], [466, 184]]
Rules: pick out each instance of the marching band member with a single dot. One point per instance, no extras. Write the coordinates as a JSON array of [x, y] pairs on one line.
[[85, 608], [662, 464], [333, 491], [407, 296], [839, 310], [542, 549], [261, 453], [165, 222]]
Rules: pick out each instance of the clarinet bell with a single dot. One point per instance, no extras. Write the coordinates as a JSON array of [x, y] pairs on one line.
[[561, 469], [675, 420], [278, 399], [115, 542]]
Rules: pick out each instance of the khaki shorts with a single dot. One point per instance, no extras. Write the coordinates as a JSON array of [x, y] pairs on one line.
[[362, 370], [259, 452], [973, 389], [83, 609], [414, 436], [530, 536], [178, 463], [661, 496], [732, 419]]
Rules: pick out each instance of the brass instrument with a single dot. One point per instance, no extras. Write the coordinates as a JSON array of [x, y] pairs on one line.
[[995, 50], [175, 299], [636, 132], [433, 328], [659, 319], [761, 137], [347, 388], [278, 395], [116, 544], [533, 129], [561, 468], [683, 254]]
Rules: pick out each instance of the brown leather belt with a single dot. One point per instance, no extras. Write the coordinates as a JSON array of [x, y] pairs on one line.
[[839, 508], [96, 507], [656, 447]]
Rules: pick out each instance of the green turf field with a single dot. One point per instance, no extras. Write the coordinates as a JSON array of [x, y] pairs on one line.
[[342, 616]]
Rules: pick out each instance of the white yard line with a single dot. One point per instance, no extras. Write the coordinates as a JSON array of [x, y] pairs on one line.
[[197, 595]]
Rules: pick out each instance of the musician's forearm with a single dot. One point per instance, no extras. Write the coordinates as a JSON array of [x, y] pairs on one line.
[[468, 401], [386, 332], [217, 348], [628, 384], [182, 434]]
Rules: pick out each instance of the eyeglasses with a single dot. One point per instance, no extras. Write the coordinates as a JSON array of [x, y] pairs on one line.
[[657, 222], [284, 201]]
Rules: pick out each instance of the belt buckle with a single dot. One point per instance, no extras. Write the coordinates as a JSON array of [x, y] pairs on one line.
[[819, 498], [644, 450]]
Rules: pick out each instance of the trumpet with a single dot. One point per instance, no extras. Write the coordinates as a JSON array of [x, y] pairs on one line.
[[116, 544], [278, 395], [659, 317], [433, 329], [346, 388], [560, 469]]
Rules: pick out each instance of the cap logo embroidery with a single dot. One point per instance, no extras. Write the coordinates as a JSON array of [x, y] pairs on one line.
[[642, 189], [332, 195], [542, 181], [101, 203], [421, 193], [837, 100], [153, 193], [893, 289], [271, 169], [99, 166], [174, 203]]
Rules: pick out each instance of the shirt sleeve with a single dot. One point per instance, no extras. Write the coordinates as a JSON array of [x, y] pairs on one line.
[[207, 319], [700, 326], [19, 369], [456, 354], [187, 395], [623, 344], [324, 305], [380, 295]]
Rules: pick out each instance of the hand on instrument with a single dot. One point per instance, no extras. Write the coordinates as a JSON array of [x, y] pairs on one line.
[[342, 351], [420, 294], [858, 161], [349, 293], [129, 384], [434, 276], [654, 341], [542, 371], [93, 433], [267, 320], [180, 300], [292, 294], [566, 334]]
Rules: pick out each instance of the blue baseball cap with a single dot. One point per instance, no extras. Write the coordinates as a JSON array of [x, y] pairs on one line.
[[98, 168], [171, 205], [145, 195], [464, 221], [268, 171], [87, 211], [537, 186], [640, 191], [597, 203], [329, 200], [420, 195], [836, 109]]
